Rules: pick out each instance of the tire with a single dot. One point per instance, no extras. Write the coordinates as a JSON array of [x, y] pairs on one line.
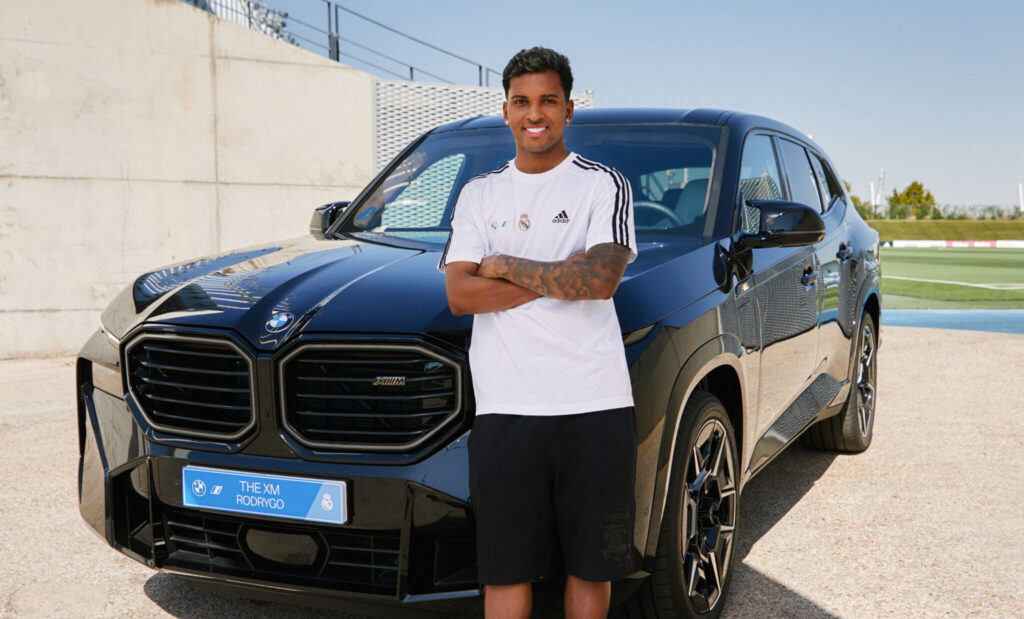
[[851, 430], [691, 574]]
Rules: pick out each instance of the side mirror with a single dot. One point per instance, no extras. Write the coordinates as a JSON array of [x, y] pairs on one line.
[[324, 217], [783, 224]]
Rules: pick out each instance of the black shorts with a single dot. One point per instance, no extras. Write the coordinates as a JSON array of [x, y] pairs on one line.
[[554, 495]]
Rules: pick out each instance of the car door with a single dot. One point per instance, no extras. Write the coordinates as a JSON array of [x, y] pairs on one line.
[[838, 283], [783, 281]]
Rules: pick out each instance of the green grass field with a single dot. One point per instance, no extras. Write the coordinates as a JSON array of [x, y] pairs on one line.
[[947, 229], [954, 278]]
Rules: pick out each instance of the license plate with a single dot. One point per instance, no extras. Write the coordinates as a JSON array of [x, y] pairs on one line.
[[294, 498]]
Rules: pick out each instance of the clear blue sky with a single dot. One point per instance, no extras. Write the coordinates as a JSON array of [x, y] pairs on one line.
[[929, 91]]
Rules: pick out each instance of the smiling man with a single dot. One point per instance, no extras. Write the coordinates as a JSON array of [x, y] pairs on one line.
[[553, 447]]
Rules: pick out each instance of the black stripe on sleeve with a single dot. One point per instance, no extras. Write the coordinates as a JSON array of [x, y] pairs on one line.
[[620, 231], [440, 263], [451, 219]]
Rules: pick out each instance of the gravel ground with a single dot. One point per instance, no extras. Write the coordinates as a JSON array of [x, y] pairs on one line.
[[928, 522]]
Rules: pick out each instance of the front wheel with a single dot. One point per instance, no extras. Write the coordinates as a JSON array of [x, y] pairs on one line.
[[696, 542]]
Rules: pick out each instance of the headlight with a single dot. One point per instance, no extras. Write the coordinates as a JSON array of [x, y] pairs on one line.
[[106, 376], [116, 343]]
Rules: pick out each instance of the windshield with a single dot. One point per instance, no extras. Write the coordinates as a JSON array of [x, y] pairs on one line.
[[668, 166]]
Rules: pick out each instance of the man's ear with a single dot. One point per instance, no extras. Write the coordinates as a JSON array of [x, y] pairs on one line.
[[570, 108], [504, 110]]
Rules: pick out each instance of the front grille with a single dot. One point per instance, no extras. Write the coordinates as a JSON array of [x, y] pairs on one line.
[[368, 398], [191, 386], [351, 560]]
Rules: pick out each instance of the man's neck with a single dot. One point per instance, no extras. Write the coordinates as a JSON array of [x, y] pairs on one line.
[[531, 163]]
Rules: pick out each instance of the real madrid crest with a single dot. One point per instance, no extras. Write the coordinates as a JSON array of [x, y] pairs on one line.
[[524, 222]]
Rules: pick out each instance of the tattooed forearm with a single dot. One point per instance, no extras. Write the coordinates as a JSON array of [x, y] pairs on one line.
[[595, 276]]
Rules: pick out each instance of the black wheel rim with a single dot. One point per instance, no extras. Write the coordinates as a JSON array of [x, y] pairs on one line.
[[866, 381], [709, 516]]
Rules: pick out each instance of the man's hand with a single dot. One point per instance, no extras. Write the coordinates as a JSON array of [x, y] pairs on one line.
[[488, 267], [470, 293], [594, 275]]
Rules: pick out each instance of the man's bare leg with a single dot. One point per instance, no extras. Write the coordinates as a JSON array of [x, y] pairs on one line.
[[585, 599], [508, 601]]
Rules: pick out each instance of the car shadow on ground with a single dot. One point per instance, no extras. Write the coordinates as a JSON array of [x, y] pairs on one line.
[[766, 500], [186, 598]]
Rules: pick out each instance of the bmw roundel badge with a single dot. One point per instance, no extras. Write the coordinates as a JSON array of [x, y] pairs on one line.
[[279, 321]]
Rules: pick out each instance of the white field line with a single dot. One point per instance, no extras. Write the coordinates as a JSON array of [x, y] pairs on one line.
[[952, 283]]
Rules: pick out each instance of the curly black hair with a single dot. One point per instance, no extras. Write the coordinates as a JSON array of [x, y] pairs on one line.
[[538, 60]]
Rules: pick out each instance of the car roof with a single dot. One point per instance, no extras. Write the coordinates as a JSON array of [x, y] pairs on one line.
[[738, 122]]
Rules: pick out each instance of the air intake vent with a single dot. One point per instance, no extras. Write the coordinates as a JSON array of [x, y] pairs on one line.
[[191, 386], [355, 560], [362, 562], [368, 398]]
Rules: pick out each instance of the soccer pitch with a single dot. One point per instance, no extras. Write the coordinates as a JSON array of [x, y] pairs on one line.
[[952, 278]]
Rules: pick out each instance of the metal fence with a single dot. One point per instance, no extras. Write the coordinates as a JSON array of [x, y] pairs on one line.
[[251, 14], [403, 109], [326, 39]]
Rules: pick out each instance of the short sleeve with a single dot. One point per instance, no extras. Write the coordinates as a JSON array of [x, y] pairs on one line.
[[611, 217], [466, 240]]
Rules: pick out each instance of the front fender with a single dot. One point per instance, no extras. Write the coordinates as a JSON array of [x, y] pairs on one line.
[[722, 351]]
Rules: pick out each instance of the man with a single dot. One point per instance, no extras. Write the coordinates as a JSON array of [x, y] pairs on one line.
[[553, 448]]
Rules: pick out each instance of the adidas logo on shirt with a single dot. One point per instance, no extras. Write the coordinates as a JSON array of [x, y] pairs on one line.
[[561, 218]]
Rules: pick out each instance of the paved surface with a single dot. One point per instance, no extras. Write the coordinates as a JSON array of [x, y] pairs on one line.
[[928, 522]]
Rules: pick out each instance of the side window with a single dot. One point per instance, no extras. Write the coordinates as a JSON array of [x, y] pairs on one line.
[[759, 178], [421, 203], [802, 182], [827, 182]]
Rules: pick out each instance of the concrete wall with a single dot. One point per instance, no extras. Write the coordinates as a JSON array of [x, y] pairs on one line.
[[135, 133]]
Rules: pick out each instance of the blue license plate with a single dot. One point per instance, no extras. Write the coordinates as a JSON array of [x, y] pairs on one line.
[[295, 498]]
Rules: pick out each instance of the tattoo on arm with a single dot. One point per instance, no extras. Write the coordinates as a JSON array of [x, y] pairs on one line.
[[594, 277]]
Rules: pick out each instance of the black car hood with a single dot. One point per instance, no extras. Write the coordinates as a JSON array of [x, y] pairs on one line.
[[352, 286]]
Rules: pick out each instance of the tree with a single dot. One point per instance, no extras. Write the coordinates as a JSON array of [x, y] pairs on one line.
[[863, 208], [914, 200]]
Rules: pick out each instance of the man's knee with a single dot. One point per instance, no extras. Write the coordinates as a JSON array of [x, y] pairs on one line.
[[508, 601]]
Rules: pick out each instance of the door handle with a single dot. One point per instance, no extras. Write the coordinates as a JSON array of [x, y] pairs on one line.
[[809, 277], [844, 253]]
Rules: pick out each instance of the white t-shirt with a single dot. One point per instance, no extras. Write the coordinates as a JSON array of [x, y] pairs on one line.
[[547, 356]]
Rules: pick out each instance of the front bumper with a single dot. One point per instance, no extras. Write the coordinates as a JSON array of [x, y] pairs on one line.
[[410, 537]]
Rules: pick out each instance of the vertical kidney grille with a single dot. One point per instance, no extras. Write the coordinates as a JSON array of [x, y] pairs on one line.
[[191, 386], [387, 398]]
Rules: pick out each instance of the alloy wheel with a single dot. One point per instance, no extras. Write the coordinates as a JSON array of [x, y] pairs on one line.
[[709, 516], [866, 381]]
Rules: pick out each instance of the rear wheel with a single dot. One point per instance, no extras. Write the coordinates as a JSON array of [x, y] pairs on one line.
[[696, 541], [851, 430]]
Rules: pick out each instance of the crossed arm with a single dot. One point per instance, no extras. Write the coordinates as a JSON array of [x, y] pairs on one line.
[[502, 282]]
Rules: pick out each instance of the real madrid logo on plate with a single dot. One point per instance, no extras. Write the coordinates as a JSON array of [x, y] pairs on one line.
[[524, 222], [279, 321]]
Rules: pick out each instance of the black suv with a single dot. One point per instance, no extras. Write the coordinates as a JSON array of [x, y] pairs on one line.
[[295, 416]]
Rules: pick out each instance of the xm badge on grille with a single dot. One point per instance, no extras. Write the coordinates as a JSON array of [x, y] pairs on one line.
[[389, 381]]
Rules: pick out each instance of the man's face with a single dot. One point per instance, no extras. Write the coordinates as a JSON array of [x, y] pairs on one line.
[[537, 111]]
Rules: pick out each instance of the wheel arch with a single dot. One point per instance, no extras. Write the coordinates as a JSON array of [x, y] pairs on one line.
[[872, 305], [713, 367]]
